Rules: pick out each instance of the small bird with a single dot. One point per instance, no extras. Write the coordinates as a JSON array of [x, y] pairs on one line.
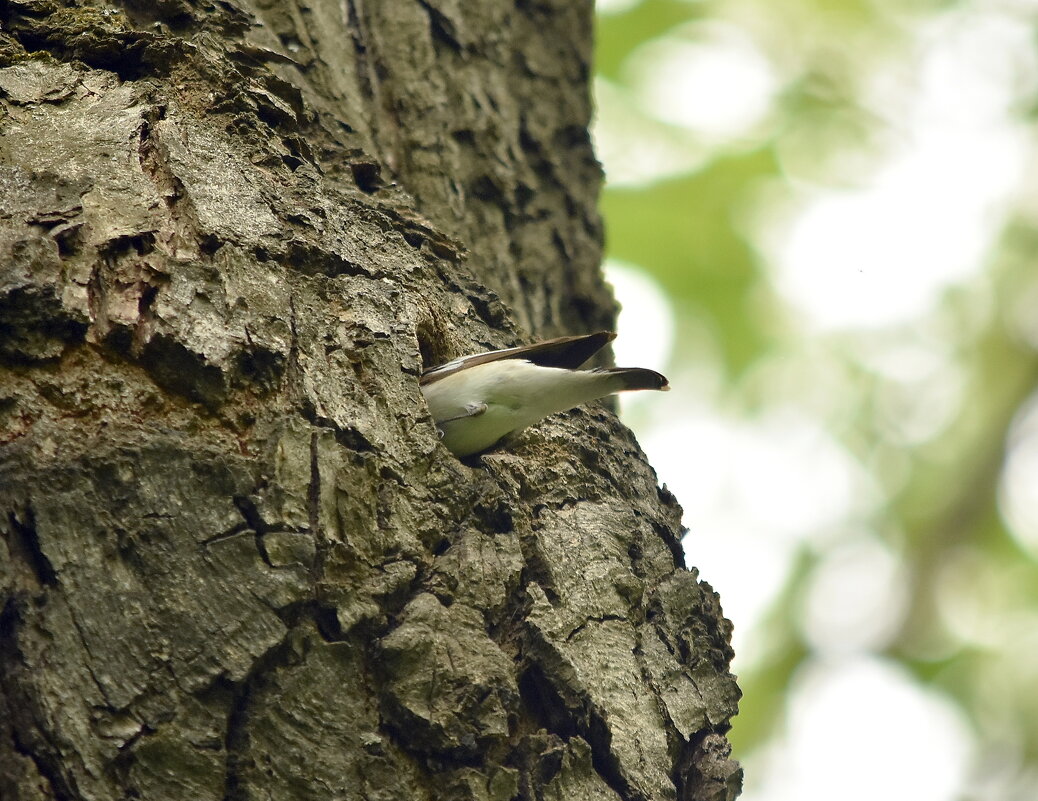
[[476, 400]]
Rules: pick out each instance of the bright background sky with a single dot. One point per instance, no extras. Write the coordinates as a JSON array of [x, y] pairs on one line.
[[823, 225]]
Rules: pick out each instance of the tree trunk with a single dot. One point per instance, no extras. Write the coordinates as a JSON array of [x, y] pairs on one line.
[[236, 562]]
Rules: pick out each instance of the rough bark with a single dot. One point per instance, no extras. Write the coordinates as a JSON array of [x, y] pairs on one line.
[[236, 562]]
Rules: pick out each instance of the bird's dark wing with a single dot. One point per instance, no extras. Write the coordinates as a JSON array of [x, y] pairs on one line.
[[565, 352]]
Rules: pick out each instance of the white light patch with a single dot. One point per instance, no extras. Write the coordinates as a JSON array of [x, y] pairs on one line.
[[606, 7], [883, 253], [693, 457], [645, 325], [987, 603], [861, 730], [780, 476], [749, 572], [921, 387], [1018, 488], [856, 598], [635, 149], [754, 493], [905, 359], [709, 78]]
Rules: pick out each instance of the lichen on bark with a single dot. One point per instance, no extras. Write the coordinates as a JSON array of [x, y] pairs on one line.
[[235, 560]]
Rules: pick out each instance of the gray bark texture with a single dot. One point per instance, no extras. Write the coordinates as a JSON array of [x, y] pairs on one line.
[[236, 562]]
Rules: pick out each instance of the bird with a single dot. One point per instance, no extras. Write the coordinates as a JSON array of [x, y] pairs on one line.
[[477, 400]]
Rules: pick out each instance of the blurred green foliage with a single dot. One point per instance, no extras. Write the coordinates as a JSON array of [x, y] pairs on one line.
[[970, 622], [683, 227]]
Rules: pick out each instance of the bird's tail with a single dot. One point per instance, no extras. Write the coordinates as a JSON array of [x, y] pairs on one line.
[[630, 378]]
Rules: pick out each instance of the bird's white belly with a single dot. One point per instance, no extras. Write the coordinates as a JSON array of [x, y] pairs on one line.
[[515, 393], [470, 435]]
